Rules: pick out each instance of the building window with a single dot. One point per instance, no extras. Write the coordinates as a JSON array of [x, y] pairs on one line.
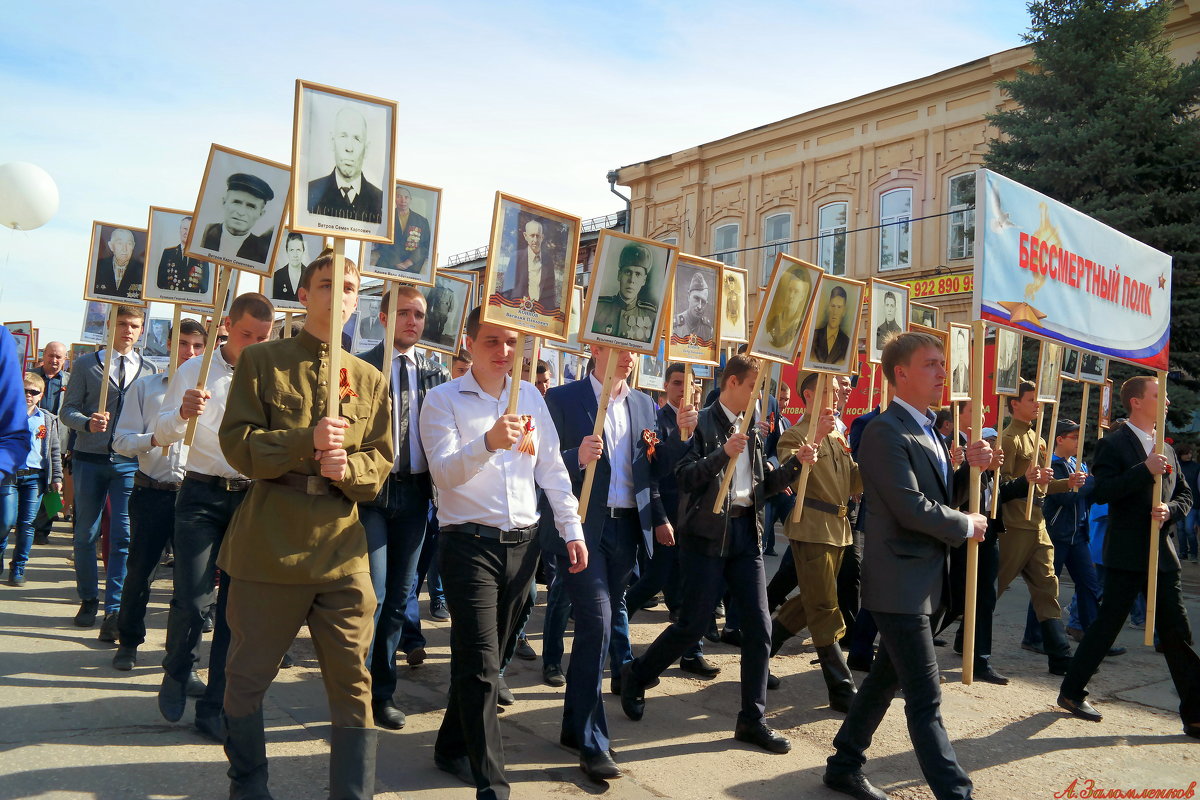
[[670, 240], [961, 243], [831, 246], [725, 239], [777, 230], [895, 235]]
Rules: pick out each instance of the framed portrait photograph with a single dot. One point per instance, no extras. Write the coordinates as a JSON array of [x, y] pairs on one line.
[[887, 312], [734, 325], [343, 151], [1070, 364], [240, 212], [368, 330], [1049, 362], [783, 313], [1106, 395], [628, 296], [695, 319], [832, 334], [959, 361], [24, 326], [446, 305], [702, 371], [571, 344], [24, 343], [413, 252], [651, 373], [156, 342], [175, 277], [530, 268], [78, 351], [95, 322], [1093, 368], [922, 314], [298, 251], [116, 264], [574, 366], [1008, 361]]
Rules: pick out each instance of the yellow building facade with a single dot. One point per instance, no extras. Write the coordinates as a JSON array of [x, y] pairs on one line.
[[877, 186]]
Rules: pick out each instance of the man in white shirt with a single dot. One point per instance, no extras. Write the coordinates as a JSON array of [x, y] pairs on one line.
[[152, 503], [210, 492], [487, 466]]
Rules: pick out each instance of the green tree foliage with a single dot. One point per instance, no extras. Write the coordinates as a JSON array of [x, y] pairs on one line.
[[1105, 121]]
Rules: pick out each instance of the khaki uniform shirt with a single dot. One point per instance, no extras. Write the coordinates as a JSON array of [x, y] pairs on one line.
[[280, 534], [834, 479], [1021, 445]]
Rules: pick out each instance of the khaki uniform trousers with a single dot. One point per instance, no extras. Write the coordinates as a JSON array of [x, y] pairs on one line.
[[1030, 554], [816, 605], [264, 619]]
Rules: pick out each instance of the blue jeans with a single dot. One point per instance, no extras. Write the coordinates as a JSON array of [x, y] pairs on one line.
[[558, 609], [94, 481], [19, 499], [1186, 533], [395, 535], [427, 564], [1077, 558]]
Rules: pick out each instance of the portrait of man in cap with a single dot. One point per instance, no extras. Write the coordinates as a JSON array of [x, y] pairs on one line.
[[119, 274], [245, 199], [788, 308], [345, 192], [696, 317], [181, 273], [628, 314]]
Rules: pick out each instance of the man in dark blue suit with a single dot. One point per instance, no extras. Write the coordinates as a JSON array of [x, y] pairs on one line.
[[623, 508]]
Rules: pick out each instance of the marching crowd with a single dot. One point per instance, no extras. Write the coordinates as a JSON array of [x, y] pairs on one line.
[[281, 513]]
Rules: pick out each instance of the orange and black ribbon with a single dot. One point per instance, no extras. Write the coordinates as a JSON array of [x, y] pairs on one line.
[[41, 434], [651, 439], [346, 392], [526, 445]]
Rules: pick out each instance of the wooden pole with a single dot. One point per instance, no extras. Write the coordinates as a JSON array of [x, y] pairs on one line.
[[1049, 441], [871, 387], [589, 473], [338, 278], [1083, 411], [883, 392], [955, 412], [1037, 439], [534, 350], [206, 364], [814, 414], [972, 587], [744, 426], [390, 331], [1160, 447], [287, 325], [518, 368], [173, 346], [108, 357], [684, 435]]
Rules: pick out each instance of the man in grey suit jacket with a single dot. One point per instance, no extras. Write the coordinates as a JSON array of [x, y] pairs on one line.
[[912, 493]]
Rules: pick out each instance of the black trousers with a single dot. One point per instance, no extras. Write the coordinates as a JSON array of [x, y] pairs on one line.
[[486, 586], [151, 527], [1121, 588], [985, 592], [907, 661]]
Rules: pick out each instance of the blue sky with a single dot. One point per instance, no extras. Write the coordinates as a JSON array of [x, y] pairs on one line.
[[119, 102]]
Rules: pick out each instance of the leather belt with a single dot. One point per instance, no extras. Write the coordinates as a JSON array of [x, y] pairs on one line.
[[308, 484], [740, 511], [146, 482], [226, 484], [408, 477], [516, 536], [621, 513], [829, 508], [25, 473]]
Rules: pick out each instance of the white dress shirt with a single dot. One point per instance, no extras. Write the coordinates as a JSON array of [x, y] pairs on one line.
[[133, 362], [230, 244], [1147, 439], [742, 486], [496, 489], [205, 455], [418, 463], [926, 420], [534, 275], [135, 431], [617, 444], [355, 186]]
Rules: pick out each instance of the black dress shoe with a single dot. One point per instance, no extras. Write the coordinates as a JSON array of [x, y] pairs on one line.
[[524, 651], [772, 681], [1192, 730], [85, 617], [125, 658], [387, 715], [209, 622], [713, 634], [732, 636], [195, 687], [552, 675], [504, 696], [699, 665], [857, 663], [599, 766], [854, 784], [172, 699], [211, 727], [1117, 651], [614, 685], [458, 767], [986, 674], [633, 696], [939, 642], [1080, 708], [761, 735], [415, 657]]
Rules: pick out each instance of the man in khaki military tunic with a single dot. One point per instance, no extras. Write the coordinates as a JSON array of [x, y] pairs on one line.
[[1025, 546], [818, 541], [295, 550]]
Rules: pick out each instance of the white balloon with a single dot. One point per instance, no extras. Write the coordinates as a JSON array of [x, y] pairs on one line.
[[28, 196]]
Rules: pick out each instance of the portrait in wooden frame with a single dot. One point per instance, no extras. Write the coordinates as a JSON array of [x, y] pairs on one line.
[[958, 361], [734, 325], [297, 251], [467, 275], [1069, 367], [447, 303], [79, 350], [831, 338], [887, 311], [172, 275], [1049, 362], [530, 267], [343, 152], [116, 264], [156, 347], [94, 329], [368, 329], [1106, 396], [652, 371], [627, 299], [1008, 361], [1093, 368], [240, 211], [694, 334], [411, 256], [922, 314], [572, 343], [24, 334], [785, 309]]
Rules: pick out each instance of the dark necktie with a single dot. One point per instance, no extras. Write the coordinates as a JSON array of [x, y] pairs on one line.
[[121, 372], [403, 457], [346, 194]]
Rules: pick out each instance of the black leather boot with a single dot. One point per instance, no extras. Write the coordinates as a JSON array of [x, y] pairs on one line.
[[352, 763], [779, 635], [246, 748], [838, 679], [1058, 648]]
